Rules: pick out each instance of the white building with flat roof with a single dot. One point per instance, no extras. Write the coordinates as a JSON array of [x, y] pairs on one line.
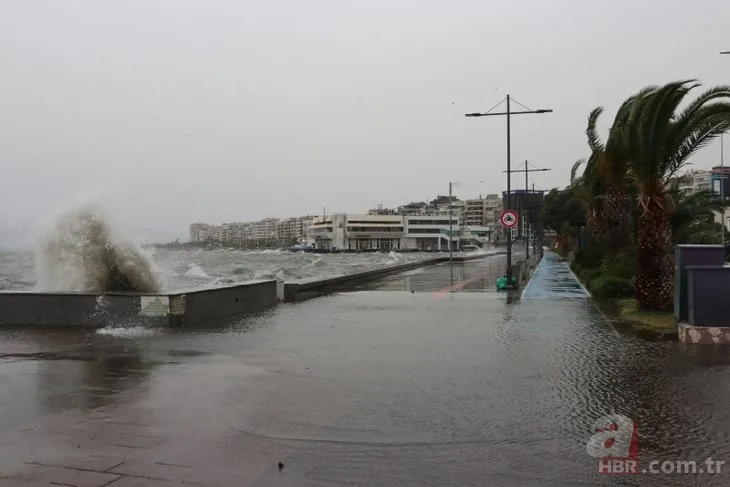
[[390, 232], [695, 181], [357, 232], [430, 232]]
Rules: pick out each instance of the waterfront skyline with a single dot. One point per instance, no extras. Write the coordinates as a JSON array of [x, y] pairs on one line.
[[228, 112]]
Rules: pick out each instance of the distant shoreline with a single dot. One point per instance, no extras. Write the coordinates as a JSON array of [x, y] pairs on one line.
[[277, 245]]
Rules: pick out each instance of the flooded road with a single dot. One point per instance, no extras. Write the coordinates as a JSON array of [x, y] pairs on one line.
[[379, 387]]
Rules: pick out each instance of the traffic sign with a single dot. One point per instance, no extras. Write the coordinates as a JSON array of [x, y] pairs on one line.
[[508, 218]]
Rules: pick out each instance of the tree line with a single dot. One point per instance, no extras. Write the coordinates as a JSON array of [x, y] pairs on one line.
[[622, 216]]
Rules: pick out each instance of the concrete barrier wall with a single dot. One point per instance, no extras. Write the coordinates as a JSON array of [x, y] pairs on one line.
[[313, 287], [523, 269], [197, 306], [316, 287], [181, 308], [68, 309]]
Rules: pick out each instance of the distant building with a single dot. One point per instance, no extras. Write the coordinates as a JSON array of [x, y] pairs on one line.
[[199, 232], [237, 233], [265, 229], [388, 232], [695, 181], [357, 232], [382, 211], [419, 208], [294, 228], [720, 175], [430, 232], [484, 211], [528, 205]]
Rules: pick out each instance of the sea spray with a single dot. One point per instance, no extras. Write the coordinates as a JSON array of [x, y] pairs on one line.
[[82, 252]]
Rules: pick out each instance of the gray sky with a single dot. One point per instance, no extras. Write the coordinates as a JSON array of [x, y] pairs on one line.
[[177, 111]]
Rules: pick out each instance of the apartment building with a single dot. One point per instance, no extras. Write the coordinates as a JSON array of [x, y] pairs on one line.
[[716, 180], [430, 232], [294, 228], [199, 232], [441, 206], [265, 229], [695, 181], [720, 175], [239, 232], [474, 212], [415, 208]]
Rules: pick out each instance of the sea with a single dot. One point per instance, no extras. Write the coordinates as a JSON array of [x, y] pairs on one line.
[[192, 268]]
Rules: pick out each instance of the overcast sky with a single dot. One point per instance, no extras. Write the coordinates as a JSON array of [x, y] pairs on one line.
[[177, 111]]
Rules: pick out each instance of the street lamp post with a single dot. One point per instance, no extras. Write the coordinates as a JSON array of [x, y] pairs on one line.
[[722, 182], [451, 230], [509, 171], [722, 189]]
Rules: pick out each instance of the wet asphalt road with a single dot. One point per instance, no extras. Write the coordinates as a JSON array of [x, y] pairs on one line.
[[375, 387]]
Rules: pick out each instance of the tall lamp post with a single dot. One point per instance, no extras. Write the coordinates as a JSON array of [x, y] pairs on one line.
[[508, 114], [722, 182], [451, 229]]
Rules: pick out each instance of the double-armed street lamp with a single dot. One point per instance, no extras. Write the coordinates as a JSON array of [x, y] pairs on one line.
[[509, 171]]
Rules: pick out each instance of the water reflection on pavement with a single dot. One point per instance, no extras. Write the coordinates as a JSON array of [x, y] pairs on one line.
[[553, 279], [374, 388], [469, 276]]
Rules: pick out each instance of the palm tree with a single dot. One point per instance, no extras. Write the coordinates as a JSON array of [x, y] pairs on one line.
[[660, 140], [612, 164], [588, 190]]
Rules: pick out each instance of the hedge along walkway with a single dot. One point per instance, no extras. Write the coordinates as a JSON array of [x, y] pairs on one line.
[[554, 279]]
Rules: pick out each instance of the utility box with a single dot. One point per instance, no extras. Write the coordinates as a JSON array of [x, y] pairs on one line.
[[691, 255], [707, 287]]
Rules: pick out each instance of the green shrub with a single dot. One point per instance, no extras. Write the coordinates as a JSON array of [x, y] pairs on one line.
[[590, 275], [620, 264], [590, 256], [612, 287]]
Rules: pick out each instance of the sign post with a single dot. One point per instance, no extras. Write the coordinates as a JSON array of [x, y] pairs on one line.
[[508, 219]]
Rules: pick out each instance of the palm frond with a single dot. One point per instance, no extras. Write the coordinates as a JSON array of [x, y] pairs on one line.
[[574, 170], [704, 132], [650, 140], [594, 140]]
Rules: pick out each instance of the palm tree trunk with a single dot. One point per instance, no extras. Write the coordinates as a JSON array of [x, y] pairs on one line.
[[596, 224], [619, 219], [654, 282]]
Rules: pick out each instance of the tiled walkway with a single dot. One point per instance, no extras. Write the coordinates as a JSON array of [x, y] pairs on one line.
[[552, 279]]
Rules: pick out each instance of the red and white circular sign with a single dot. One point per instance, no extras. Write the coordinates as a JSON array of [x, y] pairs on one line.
[[508, 218]]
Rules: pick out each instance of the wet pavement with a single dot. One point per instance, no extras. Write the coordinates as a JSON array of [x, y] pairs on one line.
[[553, 279], [373, 388], [469, 276]]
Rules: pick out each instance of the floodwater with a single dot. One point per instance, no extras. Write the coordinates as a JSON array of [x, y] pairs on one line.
[[391, 388]]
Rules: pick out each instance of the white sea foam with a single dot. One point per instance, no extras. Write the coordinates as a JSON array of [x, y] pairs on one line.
[[127, 332], [194, 270], [81, 251]]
